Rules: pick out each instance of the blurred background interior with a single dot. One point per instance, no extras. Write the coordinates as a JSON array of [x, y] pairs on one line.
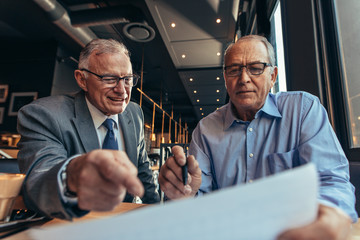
[[177, 48]]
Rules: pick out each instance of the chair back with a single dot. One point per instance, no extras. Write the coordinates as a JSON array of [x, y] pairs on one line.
[[355, 180], [9, 165]]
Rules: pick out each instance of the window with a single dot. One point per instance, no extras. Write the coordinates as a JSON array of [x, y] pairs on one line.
[[348, 28], [277, 41]]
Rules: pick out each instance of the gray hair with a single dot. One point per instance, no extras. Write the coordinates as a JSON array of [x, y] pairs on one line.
[[101, 46], [269, 47]]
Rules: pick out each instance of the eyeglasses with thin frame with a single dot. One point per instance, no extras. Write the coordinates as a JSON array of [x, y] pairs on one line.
[[113, 81], [252, 69]]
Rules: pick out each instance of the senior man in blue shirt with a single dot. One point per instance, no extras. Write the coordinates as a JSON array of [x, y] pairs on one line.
[[258, 134]]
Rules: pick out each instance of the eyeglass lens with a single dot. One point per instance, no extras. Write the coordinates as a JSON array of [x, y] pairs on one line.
[[253, 69], [129, 81], [112, 81]]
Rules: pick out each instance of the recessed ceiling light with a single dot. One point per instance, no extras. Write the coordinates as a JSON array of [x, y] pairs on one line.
[[217, 100], [183, 56], [173, 25], [198, 100], [358, 117], [200, 109], [191, 79], [202, 113], [195, 91], [218, 20], [217, 90], [218, 53], [217, 78], [217, 108]]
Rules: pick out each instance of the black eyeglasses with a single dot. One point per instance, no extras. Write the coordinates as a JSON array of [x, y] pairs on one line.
[[113, 81], [251, 68]]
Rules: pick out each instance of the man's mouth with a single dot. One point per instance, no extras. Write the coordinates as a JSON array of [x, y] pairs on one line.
[[117, 99], [244, 91]]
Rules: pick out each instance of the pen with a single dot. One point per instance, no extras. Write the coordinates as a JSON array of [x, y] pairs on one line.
[[184, 170], [184, 173]]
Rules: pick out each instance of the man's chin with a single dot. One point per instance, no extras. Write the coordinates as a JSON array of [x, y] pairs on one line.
[[243, 103], [117, 110]]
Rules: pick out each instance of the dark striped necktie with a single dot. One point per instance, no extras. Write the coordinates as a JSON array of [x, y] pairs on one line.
[[110, 141]]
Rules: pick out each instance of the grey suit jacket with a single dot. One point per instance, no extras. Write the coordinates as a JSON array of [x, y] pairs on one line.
[[55, 128]]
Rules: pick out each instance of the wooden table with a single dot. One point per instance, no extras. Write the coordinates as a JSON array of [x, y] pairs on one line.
[[121, 208]]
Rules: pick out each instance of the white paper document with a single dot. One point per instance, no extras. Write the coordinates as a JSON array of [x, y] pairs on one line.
[[260, 211]]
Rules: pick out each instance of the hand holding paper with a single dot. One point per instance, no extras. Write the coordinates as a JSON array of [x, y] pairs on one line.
[[331, 223]]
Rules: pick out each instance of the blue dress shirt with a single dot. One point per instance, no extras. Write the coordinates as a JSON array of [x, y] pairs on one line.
[[291, 129]]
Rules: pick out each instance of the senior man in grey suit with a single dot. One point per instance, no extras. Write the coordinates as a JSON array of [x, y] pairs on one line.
[[69, 169]]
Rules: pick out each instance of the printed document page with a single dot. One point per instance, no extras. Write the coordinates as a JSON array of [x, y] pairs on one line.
[[259, 210]]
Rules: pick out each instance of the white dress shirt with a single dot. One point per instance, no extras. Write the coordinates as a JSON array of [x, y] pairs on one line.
[[98, 118]]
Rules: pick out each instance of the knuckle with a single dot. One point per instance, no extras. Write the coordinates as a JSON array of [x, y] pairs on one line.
[[82, 178], [165, 186], [113, 202], [167, 175], [196, 164], [84, 204], [92, 155], [107, 170]]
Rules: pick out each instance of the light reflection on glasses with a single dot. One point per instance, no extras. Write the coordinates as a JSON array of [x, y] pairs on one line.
[[251, 68], [113, 81]]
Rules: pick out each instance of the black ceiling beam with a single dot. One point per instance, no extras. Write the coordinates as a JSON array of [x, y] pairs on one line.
[[106, 16]]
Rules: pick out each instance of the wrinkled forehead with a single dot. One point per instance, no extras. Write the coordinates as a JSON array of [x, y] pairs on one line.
[[108, 53], [247, 51], [97, 56], [109, 61]]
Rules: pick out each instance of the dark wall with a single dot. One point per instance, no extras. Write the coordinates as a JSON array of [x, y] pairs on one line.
[[299, 46], [25, 67]]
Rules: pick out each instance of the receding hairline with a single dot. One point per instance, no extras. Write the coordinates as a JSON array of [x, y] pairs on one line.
[[101, 46], [269, 48]]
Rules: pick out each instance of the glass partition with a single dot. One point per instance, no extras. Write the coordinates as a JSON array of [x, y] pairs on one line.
[[348, 28]]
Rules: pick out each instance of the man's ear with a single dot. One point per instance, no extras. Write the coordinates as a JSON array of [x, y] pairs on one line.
[[274, 75], [225, 80], [80, 79]]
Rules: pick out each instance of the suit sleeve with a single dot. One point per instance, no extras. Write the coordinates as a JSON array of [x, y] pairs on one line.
[[144, 172], [41, 156]]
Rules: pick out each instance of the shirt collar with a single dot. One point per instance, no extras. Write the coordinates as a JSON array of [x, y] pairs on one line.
[[98, 117], [270, 108], [229, 116]]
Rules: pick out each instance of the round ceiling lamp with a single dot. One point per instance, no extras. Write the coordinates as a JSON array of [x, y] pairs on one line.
[[139, 32]]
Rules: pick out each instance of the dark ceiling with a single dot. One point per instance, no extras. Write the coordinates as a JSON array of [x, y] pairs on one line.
[[181, 65]]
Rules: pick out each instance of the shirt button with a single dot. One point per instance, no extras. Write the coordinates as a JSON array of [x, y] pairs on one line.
[[251, 155], [250, 129]]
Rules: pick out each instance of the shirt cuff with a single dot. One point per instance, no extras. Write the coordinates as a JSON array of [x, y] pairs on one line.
[[68, 199]]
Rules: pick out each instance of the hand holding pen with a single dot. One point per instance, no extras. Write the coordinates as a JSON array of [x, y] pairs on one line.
[[174, 181]]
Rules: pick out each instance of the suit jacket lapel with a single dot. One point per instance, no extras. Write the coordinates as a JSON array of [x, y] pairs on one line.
[[84, 124], [129, 135]]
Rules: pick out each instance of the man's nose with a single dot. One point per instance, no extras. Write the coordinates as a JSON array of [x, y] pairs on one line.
[[120, 86], [243, 75]]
